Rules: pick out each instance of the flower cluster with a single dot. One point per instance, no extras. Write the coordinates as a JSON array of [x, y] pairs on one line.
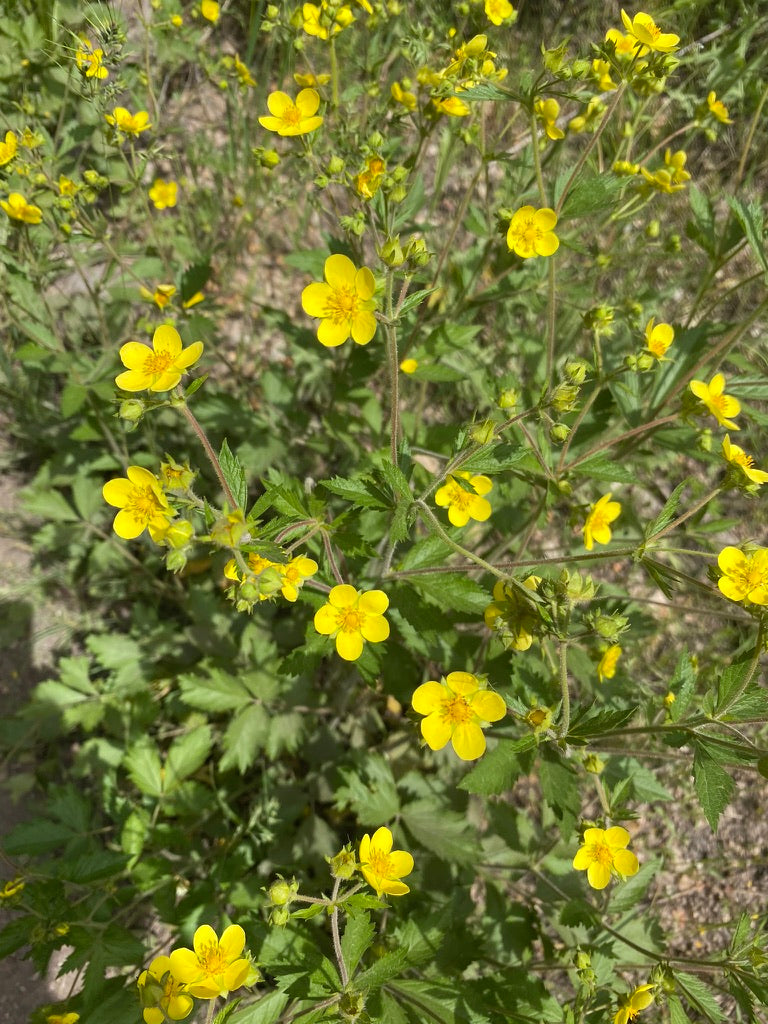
[[512, 616], [264, 579]]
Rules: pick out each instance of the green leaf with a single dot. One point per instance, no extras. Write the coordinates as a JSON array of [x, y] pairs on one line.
[[442, 832], [437, 373], [598, 467], [359, 491], [194, 279], [186, 755], [730, 682], [714, 785], [668, 513], [588, 194], [433, 1004], [415, 299], [123, 657], [677, 1014], [370, 791], [559, 787], [496, 771], [699, 995], [624, 896], [48, 505], [484, 91], [266, 1011], [450, 590], [384, 969], [214, 692], [36, 837], [593, 721], [234, 474], [357, 937], [494, 459], [751, 218], [144, 767], [683, 685], [15, 934], [245, 737]]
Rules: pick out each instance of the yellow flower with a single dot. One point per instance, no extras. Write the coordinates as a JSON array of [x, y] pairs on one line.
[[319, 21], [62, 1018], [12, 888], [606, 667], [498, 11], [142, 504], [452, 106], [676, 164], [721, 406], [383, 867], [163, 996], [352, 617], [662, 180], [344, 303], [639, 999], [8, 148], [90, 61], [308, 81], [128, 123], [289, 118], [625, 167], [455, 710], [403, 96], [531, 233], [645, 31], [367, 182], [601, 70], [159, 368], [511, 616], [17, 208], [738, 457], [596, 527], [176, 20], [658, 338], [244, 76], [163, 194], [745, 577], [210, 10], [161, 296], [547, 112], [465, 503], [67, 187], [625, 46], [294, 575], [216, 966], [602, 852], [718, 109], [409, 365]]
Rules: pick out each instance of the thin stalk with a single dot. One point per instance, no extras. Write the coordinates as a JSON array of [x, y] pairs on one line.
[[644, 428], [551, 320], [686, 515], [212, 456], [432, 520], [749, 138], [343, 973], [331, 557], [537, 160], [565, 718], [334, 74], [394, 369]]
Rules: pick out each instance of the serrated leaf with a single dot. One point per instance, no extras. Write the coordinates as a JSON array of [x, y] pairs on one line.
[[357, 937], [593, 721], [359, 491], [683, 685], [494, 459], [496, 771], [186, 754], [36, 837], [484, 92], [245, 738], [699, 995], [15, 934], [751, 218], [714, 785], [591, 193], [598, 467], [370, 791], [559, 787], [384, 969], [449, 590], [437, 373], [668, 512], [214, 692], [415, 299], [730, 683], [442, 832], [677, 1014], [144, 767], [234, 474], [624, 896], [266, 1011]]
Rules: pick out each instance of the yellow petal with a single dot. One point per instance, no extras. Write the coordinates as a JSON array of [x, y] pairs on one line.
[[463, 683], [616, 837], [236, 973], [189, 355], [400, 864], [548, 244], [167, 339], [428, 697], [625, 862], [307, 101], [598, 875], [583, 859], [363, 328], [435, 730], [545, 219], [340, 271], [729, 560], [488, 706], [365, 283], [382, 839], [332, 334], [343, 596], [375, 629], [134, 354], [314, 298], [117, 492], [374, 602], [277, 104], [185, 966], [326, 620], [349, 646], [232, 941], [468, 741]]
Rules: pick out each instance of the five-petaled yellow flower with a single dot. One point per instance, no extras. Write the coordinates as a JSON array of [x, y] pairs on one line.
[[352, 617], [142, 504], [639, 999], [465, 503], [499, 11], [289, 118], [547, 112], [162, 995], [455, 710], [8, 148], [604, 851], [606, 667], [17, 208], [159, 368], [721, 406], [597, 524], [344, 302], [645, 30], [90, 61], [745, 576], [738, 457], [210, 10], [718, 109], [658, 338], [383, 867], [128, 123], [216, 966], [164, 194], [531, 232]]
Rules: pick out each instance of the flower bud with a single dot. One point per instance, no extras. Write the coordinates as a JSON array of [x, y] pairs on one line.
[[652, 229], [279, 916], [270, 581], [554, 58], [343, 864], [179, 534], [351, 1005], [398, 193], [376, 140], [594, 764], [539, 719], [508, 398], [564, 397], [576, 370], [559, 433], [391, 253], [281, 893], [132, 409], [175, 561], [335, 165], [229, 531], [482, 433], [416, 252]]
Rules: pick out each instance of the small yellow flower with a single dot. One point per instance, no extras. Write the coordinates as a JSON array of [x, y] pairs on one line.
[[294, 575], [244, 76], [90, 61], [367, 182], [746, 464], [216, 966], [662, 181], [745, 576], [163, 194], [626, 47], [353, 617], [383, 867], [465, 503], [597, 524], [210, 10], [321, 22], [67, 187], [547, 112], [658, 338], [159, 368], [606, 667], [128, 123], [604, 851], [8, 148], [142, 504], [163, 996], [452, 106], [344, 303], [176, 20], [676, 164], [531, 233], [721, 406], [639, 999], [409, 365], [309, 81], [718, 109], [511, 616], [403, 96], [161, 296], [601, 71], [499, 11], [62, 1018], [625, 168], [289, 118], [17, 208], [646, 32], [455, 710]]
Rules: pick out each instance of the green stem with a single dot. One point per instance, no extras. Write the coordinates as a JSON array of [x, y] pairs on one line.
[[644, 428], [537, 159], [334, 74], [212, 456], [551, 320], [686, 515], [428, 515], [343, 973], [394, 369], [588, 149], [565, 719]]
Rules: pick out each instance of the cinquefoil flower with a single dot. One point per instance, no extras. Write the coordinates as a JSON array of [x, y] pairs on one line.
[[644, 30], [658, 338], [547, 112], [344, 303], [128, 123], [142, 504], [499, 11], [639, 999], [17, 208], [465, 503], [289, 118], [352, 617], [603, 852], [216, 966], [606, 667], [721, 406], [163, 194], [163, 996], [455, 710], [8, 148], [383, 867], [159, 368], [531, 234], [597, 524], [512, 617], [717, 108], [745, 576], [90, 61], [736, 456]]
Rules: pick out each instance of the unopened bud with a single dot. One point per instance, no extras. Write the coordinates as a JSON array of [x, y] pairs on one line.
[[508, 398], [132, 409], [482, 433], [391, 252], [559, 433], [343, 864]]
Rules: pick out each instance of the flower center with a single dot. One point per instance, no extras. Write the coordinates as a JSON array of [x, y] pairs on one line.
[[158, 362], [342, 304], [456, 710], [599, 520], [753, 575], [601, 854], [742, 459], [143, 504], [459, 497], [291, 115], [350, 620], [380, 863], [212, 960]]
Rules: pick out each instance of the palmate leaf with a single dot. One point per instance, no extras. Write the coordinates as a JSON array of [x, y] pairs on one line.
[[498, 770]]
